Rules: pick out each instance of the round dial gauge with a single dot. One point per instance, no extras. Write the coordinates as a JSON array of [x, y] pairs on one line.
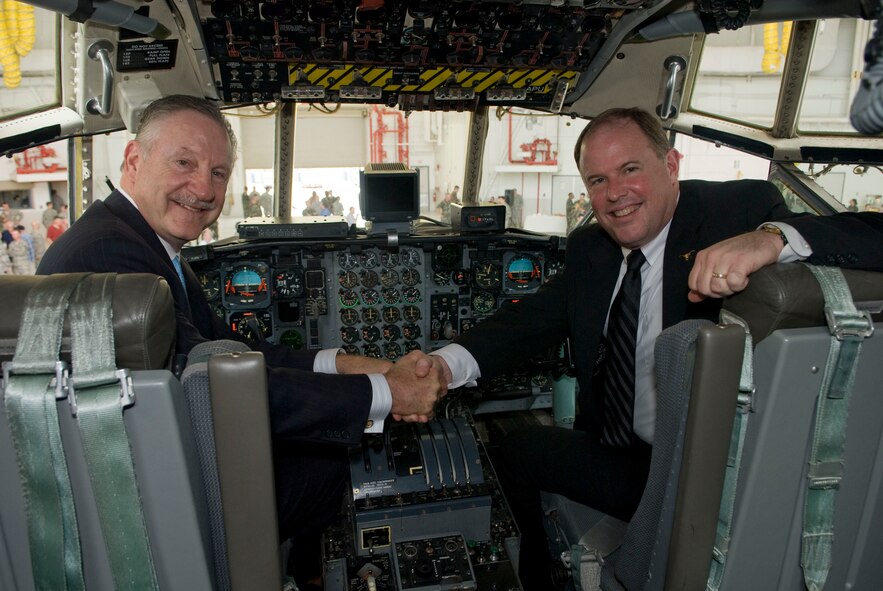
[[523, 272], [392, 332], [351, 350], [411, 331], [347, 260], [410, 276], [411, 295], [348, 316], [288, 283], [370, 334], [210, 283], [411, 346], [460, 277], [486, 275], [348, 279], [411, 313], [370, 316], [482, 302], [349, 334], [246, 284], [391, 315], [389, 277], [292, 338], [348, 298], [554, 268], [391, 295], [410, 257], [392, 351], [372, 350], [252, 325], [389, 259], [441, 277], [369, 278], [370, 297], [368, 259]]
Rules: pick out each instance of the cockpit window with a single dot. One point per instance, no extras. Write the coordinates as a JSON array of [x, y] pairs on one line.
[[29, 60], [740, 73]]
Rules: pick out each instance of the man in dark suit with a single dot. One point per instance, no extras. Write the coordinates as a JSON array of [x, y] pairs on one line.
[[173, 184], [631, 173]]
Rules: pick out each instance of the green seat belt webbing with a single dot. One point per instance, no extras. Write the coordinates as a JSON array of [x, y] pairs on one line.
[[734, 457], [98, 393], [849, 328], [34, 380]]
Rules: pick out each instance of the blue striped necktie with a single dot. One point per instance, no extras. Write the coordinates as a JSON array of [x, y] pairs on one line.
[[619, 377]]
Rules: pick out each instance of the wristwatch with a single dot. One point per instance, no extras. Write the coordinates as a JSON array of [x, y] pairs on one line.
[[773, 229]]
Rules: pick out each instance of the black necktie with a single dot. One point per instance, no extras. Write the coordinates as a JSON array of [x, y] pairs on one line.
[[619, 378]]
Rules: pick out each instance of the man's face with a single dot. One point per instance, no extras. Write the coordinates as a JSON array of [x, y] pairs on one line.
[[632, 190], [179, 180]]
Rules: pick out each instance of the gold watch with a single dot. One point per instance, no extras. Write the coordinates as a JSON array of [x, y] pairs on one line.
[[773, 229]]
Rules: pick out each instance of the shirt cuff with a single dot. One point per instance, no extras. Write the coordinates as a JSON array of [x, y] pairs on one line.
[[463, 366], [797, 248], [381, 403], [326, 361]]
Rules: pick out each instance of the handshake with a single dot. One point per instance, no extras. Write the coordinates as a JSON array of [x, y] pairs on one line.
[[417, 382]]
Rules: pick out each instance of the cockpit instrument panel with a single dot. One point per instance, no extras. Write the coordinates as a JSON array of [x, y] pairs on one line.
[[369, 298]]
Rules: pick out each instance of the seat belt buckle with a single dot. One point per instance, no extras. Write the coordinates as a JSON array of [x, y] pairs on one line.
[[59, 382], [849, 324], [123, 377]]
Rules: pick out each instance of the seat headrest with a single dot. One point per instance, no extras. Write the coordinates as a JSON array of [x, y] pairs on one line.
[[143, 319], [788, 296]]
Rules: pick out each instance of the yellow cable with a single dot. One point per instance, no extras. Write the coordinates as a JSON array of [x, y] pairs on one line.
[[8, 57], [27, 29], [770, 61]]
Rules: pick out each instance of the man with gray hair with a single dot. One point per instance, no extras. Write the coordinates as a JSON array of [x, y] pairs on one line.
[[173, 184]]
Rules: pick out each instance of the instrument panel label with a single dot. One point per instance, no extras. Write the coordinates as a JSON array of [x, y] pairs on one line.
[[142, 55]]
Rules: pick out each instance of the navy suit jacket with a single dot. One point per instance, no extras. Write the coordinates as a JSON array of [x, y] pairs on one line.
[[575, 304], [113, 236]]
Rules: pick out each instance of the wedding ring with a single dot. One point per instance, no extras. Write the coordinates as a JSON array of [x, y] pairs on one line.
[[718, 275]]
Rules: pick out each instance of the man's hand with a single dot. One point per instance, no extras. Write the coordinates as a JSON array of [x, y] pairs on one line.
[[417, 382], [354, 364], [723, 268]]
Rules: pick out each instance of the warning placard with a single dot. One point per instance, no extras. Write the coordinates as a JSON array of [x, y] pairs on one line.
[[143, 55]]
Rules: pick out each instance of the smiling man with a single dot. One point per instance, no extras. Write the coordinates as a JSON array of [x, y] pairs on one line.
[[173, 185], [651, 228]]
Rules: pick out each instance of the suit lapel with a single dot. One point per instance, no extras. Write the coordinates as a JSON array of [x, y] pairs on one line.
[[123, 209], [684, 241]]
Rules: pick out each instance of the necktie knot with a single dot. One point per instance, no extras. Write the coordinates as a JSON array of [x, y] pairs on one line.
[[635, 260]]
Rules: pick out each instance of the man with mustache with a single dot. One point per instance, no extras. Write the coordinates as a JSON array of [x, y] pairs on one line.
[[173, 184]]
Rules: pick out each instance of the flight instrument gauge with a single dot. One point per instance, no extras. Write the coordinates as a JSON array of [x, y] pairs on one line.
[[288, 283], [370, 316], [347, 260], [247, 285], [370, 297], [348, 279], [482, 302], [447, 257], [348, 316], [392, 351], [368, 259], [210, 282], [410, 276], [411, 313], [372, 350], [389, 277], [392, 332], [410, 257], [389, 259], [252, 325], [348, 298], [370, 334], [487, 275], [411, 295], [391, 315], [523, 274], [369, 278]]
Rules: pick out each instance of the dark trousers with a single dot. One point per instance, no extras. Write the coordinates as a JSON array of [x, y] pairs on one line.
[[568, 462], [310, 484]]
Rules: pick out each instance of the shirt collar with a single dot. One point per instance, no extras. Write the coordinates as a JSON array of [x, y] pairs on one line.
[[170, 250]]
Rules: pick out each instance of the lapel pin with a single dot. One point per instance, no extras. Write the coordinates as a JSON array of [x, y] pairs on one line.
[[687, 255]]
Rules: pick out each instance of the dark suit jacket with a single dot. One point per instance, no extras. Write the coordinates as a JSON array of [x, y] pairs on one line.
[[113, 236], [575, 304]]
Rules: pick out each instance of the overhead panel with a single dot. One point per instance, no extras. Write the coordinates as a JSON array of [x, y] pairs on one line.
[[415, 54]]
